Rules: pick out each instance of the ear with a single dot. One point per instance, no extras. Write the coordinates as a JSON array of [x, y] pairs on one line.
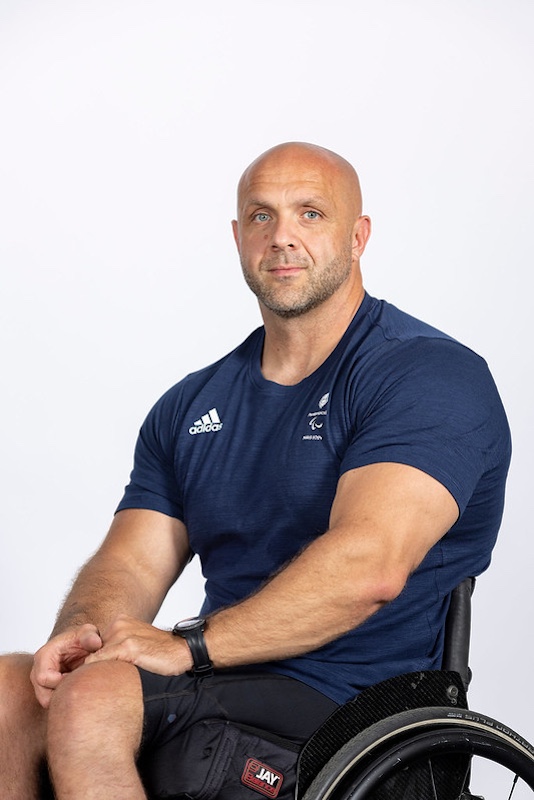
[[235, 229], [361, 234]]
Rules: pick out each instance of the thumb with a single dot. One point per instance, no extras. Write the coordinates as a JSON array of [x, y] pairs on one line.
[[89, 638]]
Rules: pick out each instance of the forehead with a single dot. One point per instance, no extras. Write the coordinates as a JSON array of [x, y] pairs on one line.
[[286, 178]]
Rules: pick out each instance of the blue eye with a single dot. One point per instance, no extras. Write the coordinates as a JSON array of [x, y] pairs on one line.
[[312, 214], [261, 216]]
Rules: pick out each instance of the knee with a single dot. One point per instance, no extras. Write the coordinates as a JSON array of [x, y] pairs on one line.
[[83, 692], [92, 699], [18, 698], [22, 719], [15, 667]]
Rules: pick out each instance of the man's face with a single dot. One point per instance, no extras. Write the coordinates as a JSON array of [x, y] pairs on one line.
[[295, 232]]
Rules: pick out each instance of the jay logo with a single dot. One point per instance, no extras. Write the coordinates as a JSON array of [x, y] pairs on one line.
[[261, 778]]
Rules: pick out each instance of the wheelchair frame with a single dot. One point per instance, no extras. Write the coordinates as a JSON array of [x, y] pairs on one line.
[[412, 737]]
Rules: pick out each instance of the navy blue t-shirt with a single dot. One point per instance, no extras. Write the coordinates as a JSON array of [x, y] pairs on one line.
[[251, 468]]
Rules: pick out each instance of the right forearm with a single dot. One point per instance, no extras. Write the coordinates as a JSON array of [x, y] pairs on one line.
[[141, 557], [99, 593]]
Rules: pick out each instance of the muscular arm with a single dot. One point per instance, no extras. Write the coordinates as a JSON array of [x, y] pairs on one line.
[[127, 578], [141, 557], [384, 520]]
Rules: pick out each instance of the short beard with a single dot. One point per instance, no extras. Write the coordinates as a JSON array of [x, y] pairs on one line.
[[320, 288]]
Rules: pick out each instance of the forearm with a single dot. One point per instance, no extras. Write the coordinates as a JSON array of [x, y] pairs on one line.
[[141, 557], [314, 600], [100, 592]]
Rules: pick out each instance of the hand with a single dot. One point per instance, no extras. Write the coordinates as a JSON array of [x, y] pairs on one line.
[[128, 639], [62, 654]]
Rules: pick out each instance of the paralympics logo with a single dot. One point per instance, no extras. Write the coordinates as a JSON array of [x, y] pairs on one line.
[[316, 419]]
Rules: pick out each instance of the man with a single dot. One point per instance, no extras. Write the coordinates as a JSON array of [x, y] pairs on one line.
[[338, 474]]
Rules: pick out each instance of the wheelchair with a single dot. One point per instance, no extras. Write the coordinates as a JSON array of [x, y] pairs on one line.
[[413, 737]]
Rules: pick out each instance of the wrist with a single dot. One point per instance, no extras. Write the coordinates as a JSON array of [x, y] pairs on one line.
[[184, 659]]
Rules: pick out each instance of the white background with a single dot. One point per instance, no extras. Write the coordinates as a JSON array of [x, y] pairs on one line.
[[124, 127]]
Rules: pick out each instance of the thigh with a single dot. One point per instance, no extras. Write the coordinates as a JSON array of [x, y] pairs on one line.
[[272, 702], [219, 736]]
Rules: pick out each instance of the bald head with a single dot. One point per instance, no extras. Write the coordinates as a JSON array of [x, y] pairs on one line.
[[295, 159], [300, 231]]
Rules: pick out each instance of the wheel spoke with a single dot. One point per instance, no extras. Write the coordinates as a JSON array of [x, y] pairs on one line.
[[432, 780], [465, 782], [514, 784]]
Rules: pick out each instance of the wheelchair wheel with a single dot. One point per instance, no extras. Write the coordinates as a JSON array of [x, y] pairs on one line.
[[430, 754]]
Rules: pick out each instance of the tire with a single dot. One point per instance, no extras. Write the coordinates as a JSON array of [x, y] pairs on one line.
[[429, 754]]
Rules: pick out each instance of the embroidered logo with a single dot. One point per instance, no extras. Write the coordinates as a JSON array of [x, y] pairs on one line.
[[262, 778], [316, 419], [207, 423]]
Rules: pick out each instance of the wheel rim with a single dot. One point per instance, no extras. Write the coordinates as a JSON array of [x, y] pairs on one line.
[[433, 744]]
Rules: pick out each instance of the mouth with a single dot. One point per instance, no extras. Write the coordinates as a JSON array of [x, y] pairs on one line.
[[285, 270]]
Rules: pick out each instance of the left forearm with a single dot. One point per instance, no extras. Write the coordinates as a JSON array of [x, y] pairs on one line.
[[325, 592]]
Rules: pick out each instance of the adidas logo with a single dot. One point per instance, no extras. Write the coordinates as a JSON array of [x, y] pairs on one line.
[[208, 422]]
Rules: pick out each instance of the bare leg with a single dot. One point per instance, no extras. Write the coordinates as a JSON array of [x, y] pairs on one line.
[[94, 731], [22, 730]]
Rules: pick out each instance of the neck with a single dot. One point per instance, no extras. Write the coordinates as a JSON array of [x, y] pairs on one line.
[[294, 348]]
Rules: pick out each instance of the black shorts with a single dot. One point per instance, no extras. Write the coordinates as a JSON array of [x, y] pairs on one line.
[[185, 718], [275, 703]]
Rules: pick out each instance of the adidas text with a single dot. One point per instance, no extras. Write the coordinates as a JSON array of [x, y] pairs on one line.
[[207, 423]]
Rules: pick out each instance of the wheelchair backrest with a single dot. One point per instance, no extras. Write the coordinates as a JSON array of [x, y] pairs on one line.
[[458, 631]]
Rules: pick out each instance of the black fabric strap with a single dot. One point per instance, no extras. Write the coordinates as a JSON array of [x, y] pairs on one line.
[[201, 660]]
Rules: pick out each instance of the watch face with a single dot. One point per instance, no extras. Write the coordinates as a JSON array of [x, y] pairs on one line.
[[189, 624]]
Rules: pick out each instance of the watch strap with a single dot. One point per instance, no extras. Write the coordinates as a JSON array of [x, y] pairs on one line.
[[202, 666]]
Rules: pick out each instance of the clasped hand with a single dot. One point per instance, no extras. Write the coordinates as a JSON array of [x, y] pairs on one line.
[[125, 639]]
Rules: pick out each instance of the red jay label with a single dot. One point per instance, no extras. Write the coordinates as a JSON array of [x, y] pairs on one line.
[[261, 778]]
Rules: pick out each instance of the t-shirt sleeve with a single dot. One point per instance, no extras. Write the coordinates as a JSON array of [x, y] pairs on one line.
[[434, 406], [153, 482]]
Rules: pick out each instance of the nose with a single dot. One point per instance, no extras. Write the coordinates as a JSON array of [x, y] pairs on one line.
[[284, 235]]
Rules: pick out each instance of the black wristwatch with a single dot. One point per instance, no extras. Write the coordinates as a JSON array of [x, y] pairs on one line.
[[192, 630]]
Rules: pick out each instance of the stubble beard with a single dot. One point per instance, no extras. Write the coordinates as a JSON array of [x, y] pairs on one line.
[[288, 302]]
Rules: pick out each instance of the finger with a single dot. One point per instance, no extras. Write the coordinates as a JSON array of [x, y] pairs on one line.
[[44, 684], [45, 678], [44, 696]]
